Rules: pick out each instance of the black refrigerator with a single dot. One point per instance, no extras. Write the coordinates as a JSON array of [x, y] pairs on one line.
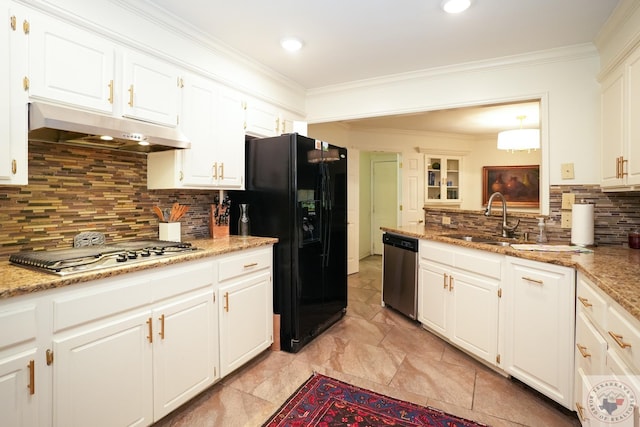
[[296, 189]]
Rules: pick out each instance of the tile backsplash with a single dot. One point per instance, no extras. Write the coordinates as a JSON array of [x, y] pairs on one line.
[[615, 215], [75, 189]]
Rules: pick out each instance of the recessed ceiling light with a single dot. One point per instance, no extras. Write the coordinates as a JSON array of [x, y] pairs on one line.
[[455, 6], [291, 44]]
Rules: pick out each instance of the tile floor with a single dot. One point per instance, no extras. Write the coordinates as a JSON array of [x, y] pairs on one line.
[[378, 349]]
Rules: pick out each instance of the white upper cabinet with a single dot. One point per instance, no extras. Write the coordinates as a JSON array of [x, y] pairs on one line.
[[70, 65], [264, 120], [13, 103], [620, 142], [151, 89], [212, 120]]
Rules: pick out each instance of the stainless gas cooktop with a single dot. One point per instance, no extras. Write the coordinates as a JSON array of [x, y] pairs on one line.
[[90, 258]]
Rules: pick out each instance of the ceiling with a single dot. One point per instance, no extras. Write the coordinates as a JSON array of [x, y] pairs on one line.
[[351, 40]]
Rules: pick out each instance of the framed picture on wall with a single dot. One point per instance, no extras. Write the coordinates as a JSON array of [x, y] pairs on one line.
[[520, 185]]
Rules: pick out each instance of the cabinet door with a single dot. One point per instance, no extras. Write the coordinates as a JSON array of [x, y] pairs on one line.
[[540, 326], [261, 119], [230, 149], [612, 143], [443, 180], [474, 315], [246, 320], [200, 124], [70, 65], [151, 89], [184, 345], [632, 168], [433, 292], [13, 103], [102, 374], [18, 404]]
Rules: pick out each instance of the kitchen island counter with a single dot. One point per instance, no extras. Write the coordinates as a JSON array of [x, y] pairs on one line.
[[614, 269], [16, 280]]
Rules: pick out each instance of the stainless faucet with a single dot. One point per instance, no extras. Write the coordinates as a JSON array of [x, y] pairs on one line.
[[507, 230]]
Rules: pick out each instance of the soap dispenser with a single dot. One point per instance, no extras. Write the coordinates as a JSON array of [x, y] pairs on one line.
[[542, 234]]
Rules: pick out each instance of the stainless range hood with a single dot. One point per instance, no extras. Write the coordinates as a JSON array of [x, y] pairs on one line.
[[54, 123]]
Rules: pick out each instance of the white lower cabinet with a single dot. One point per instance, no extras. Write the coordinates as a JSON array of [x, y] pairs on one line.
[[246, 312], [539, 327], [104, 374], [607, 385], [143, 359], [22, 377], [458, 296]]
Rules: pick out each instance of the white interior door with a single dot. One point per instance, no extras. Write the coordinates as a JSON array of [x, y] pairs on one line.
[[353, 211], [384, 200], [412, 189]]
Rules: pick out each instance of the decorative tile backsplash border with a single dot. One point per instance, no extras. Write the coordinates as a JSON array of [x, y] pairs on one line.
[[615, 215], [75, 189]]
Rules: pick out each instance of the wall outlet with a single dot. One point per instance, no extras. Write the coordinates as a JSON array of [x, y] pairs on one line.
[[568, 200], [565, 220], [446, 220], [566, 171]]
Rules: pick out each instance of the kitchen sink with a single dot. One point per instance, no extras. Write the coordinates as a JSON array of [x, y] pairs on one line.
[[478, 239]]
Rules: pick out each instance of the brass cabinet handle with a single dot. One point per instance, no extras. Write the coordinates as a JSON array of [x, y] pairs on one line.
[[181, 178], [585, 302], [131, 96], [221, 174], [580, 410], [446, 276], [420, 221], [150, 324], [529, 279], [450, 283], [622, 163], [13, 22], [226, 302], [583, 351], [14, 166], [253, 264], [111, 92], [25, 83], [161, 318], [617, 167], [26, 27], [618, 339], [32, 377], [215, 170], [49, 357]]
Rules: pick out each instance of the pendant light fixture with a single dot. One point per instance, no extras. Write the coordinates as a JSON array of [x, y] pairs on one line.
[[519, 139]]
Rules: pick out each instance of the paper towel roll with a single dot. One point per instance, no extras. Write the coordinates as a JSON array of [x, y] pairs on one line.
[[582, 224]]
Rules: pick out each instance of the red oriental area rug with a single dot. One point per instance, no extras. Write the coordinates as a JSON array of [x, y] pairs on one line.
[[326, 402]]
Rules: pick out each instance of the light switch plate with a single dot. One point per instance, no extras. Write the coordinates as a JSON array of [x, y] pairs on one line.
[[567, 171], [565, 220], [446, 220], [568, 200]]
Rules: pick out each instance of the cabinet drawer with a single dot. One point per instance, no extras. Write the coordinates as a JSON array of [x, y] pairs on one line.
[[436, 252], [244, 263], [591, 347], [17, 324], [623, 334], [590, 302], [98, 300], [472, 260]]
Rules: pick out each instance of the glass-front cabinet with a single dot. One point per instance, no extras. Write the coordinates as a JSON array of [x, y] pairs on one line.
[[443, 179]]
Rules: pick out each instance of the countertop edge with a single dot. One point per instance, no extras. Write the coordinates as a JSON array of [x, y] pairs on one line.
[[612, 269], [16, 281]]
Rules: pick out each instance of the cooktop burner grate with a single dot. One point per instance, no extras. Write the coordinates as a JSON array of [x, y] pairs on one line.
[[82, 259]]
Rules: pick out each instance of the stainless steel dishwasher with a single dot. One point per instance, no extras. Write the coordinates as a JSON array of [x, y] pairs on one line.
[[400, 274]]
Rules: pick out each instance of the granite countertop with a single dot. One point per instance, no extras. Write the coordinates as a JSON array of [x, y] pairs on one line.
[[15, 280], [614, 269]]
